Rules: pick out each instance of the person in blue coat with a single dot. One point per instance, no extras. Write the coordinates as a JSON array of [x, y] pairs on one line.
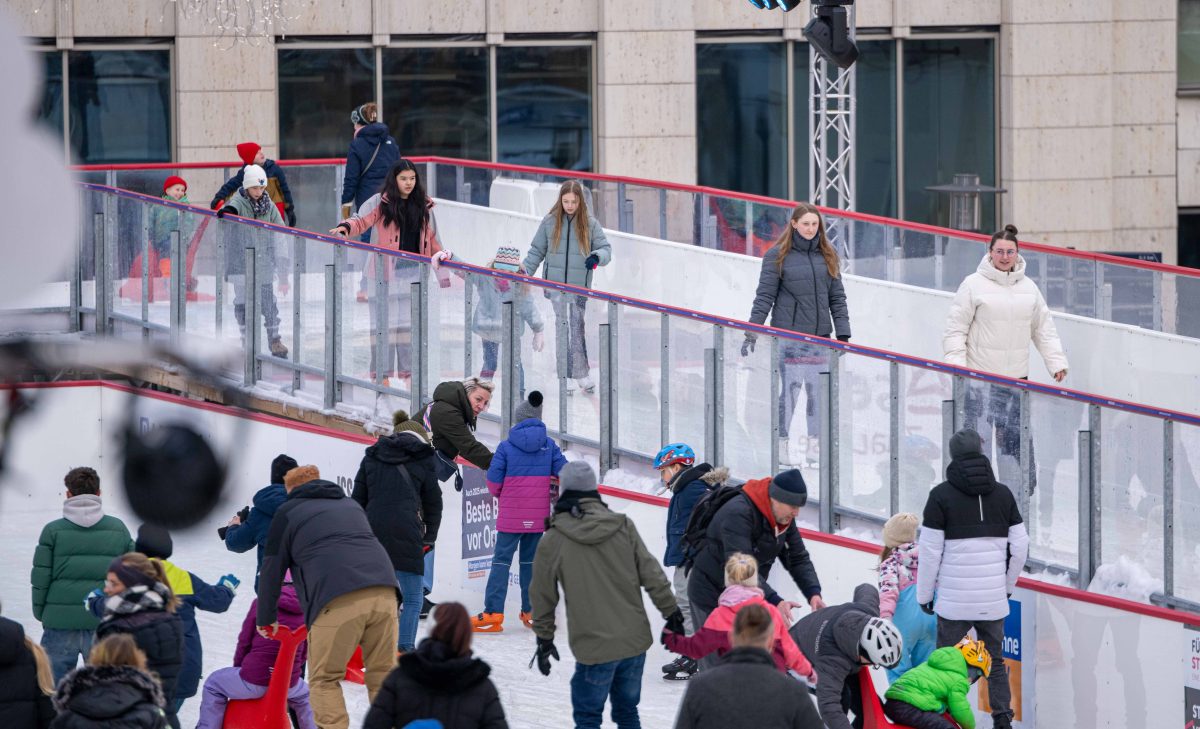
[[249, 528], [373, 151], [194, 594]]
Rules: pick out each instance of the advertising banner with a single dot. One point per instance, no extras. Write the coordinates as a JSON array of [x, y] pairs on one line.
[[478, 529], [1191, 676], [1018, 632]]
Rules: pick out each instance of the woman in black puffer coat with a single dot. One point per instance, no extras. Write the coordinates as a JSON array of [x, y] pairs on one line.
[[113, 691], [440, 681], [23, 703]]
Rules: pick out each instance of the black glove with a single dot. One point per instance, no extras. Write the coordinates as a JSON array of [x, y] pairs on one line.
[[591, 262], [927, 607], [244, 514], [221, 213], [843, 337], [545, 651], [291, 216], [747, 347], [221, 532], [216, 202], [458, 481], [675, 624]]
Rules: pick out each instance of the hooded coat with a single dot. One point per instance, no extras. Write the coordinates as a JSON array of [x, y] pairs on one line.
[[686, 489], [830, 639], [160, 636], [939, 684], [22, 703], [451, 422], [601, 563], [253, 532], [364, 176], [109, 697], [433, 683], [801, 296], [745, 690], [994, 316], [973, 543], [520, 477], [397, 486], [255, 655], [71, 560]]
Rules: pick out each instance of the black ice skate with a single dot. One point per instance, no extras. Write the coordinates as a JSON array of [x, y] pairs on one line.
[[681, 669]]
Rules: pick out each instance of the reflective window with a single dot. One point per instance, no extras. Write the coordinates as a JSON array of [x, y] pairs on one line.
[[544, 106], [120, 105], [801, 115], [49, 110], [741, 114], [436, 100], [317, 91], [875, 131], [1189, 43], [949, 123]]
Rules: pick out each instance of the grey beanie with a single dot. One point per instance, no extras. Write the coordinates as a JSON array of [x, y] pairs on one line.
[[788, 487], [529, 408], [576, 476], [965, 442]]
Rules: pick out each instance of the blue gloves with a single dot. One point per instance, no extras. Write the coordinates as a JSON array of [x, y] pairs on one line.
[[230, 582], [87, 600]]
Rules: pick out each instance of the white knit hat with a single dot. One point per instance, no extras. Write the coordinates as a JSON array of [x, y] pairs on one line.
[[253, 176]]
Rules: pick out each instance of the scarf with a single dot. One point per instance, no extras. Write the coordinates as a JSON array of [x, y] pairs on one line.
[[259, 206], [137, 599]]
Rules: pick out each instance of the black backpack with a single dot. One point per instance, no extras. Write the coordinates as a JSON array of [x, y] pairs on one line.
[[695, 534]]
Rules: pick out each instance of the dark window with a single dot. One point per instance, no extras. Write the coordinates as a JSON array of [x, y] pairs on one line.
[[120, 105], [802, 115], [741, 110], [949, 123], [875, 154], [49, 110], [1189, 44], [544, 106], [436, 101], [1188, 286], [317, 91]]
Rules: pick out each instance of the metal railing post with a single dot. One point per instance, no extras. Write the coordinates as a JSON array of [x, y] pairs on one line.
[[614, 375], [1169, 508], [250, 373], [1156, 303], [827, 486], [773, 402], [710, 405], [719, 395], [178, 290], [219, 264], [379, 343], [607, 397], [144, 213], [664, 380], [959, 390], [939, 263], [298, 266], [1025, 462], [98, 278], [1090, 502], [948, 431], [419, 381], [662, 213], [431, 178], [508, 366], [894, 430], [749, 228], [562, 317], [76, 285], [468, 311], [332, 296], [624, 215]]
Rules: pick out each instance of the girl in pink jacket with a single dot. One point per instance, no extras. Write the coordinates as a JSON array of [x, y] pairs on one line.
[[898, 593]]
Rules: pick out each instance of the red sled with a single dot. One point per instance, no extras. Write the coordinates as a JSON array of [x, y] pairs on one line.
[[270, 711], [873, 716], [355, 673]]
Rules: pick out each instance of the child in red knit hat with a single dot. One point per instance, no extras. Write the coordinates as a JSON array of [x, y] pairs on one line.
[[277, 187], [165, 220]]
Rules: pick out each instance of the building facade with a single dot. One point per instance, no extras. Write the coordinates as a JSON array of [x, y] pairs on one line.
[[1081, 109]]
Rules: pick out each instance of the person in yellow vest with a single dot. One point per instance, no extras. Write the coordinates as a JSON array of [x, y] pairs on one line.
[[194, 594]]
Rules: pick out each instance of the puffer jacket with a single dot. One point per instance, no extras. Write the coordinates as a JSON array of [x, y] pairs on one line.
[[194, 594], [397, 486], [22, 703], [896, 573], [165, 219], [801, 297], [993, 318], [362, 181], [491, 293], [938, 684], [599, 560], [255, 655], [277, 187], [72, 559], [160, 636], [564, 263], [973, 543], [686, 489], [433, 683], [253, 532], [451, 422], [520, 477], [387, 235], [109, 697]]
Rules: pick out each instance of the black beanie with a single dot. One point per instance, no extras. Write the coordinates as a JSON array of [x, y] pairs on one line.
[[965, 442], [788, 487], [154, 542], [280, 466]]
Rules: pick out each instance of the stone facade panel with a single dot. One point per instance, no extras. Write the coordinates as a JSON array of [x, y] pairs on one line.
[[638, 58]]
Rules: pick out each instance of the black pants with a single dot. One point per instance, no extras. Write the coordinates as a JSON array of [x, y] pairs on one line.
[[991, 632], [852, 699], [911, 716], [995, 411]]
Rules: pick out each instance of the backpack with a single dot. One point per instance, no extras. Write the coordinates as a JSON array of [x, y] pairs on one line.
[[695, 534]]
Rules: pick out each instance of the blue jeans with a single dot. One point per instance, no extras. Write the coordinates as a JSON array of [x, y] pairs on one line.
[[497, 584], [410, 613], [592, 685], [64, 647], [427, 580]]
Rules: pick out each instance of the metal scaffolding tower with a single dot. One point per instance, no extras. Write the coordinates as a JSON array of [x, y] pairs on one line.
[[831, 121]]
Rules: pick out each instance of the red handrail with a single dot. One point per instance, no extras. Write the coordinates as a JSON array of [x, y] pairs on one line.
[[696, 189]]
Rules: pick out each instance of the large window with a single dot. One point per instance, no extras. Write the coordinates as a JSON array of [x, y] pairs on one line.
[[436, 100], [1189, 44], [544, 106], [318, 88]]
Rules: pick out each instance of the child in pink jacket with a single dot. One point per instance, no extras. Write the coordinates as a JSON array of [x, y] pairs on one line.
[[898, 593]]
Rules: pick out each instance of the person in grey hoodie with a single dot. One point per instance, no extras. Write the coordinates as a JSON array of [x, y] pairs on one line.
[[800, 285], [841, 640], [70, 561]]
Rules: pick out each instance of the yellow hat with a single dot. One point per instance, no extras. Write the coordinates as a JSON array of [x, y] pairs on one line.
[[976, 654]]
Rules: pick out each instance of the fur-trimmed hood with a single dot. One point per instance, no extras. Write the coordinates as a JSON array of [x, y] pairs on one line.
[[716, 476], [106, 692]]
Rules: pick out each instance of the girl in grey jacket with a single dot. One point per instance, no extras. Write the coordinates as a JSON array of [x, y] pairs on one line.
[[800, 285], [571, 244]]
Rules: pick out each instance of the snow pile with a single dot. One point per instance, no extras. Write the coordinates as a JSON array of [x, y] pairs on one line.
[[1049, 577], [1125, 579]]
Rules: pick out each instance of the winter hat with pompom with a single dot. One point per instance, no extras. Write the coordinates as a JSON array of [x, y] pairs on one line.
[[299, 476], [507, 259], [530, 408], [401, 423], [900, 529]]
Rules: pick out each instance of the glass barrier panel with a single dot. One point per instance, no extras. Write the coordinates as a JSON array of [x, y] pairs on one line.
[[316, 195], [307, 310], [1129, 295], [1186, 505], [638, 351], [688, 341], [747, 405], [1181, 297], [800, 402], [1131, 491], [1052, 518], [201, 238], [914, 258], [578, 321], [540, 352], [275, 262], [922, 393], [864, 430], [866, 248]]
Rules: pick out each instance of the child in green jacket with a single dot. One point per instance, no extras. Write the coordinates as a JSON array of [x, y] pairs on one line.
[[922, 695]]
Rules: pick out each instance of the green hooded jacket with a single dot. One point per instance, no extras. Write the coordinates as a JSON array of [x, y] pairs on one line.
[[936, 684], [602, 565]]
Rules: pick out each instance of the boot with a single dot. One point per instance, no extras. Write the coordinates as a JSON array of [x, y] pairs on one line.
[[687, 668], [1003, 721], [527, 619], [487, 623], [427, 607], [277, 348]]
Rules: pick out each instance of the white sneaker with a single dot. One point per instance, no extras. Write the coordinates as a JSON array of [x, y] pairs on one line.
[[570, 386], [587, 384]]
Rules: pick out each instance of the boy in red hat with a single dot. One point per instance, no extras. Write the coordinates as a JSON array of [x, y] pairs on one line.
[[251, 154]]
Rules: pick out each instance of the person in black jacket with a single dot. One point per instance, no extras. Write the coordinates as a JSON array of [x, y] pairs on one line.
[[139, 602], [398, 488], [114, 691], [372, 153], [760, 521], [745, 688], [25, 680], [248, 528], [440, 681], [345, 583], [800, 285]]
